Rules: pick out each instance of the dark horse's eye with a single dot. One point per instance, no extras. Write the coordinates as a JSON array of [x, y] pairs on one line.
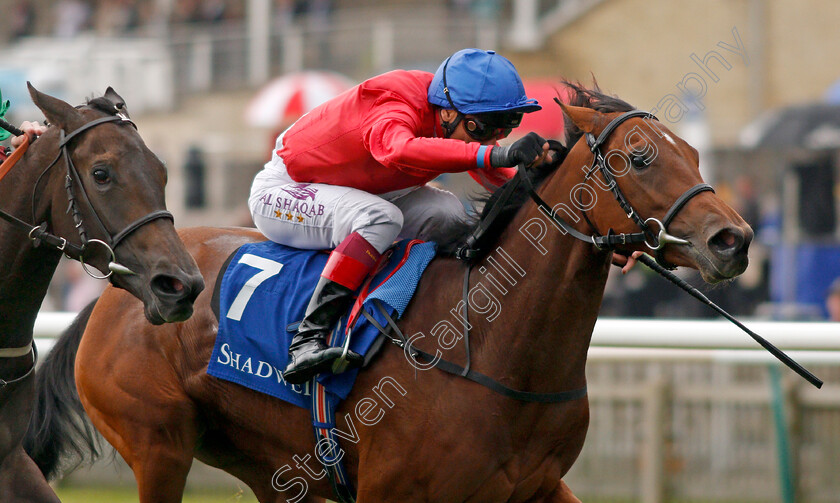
[[639, 162], [101, 176]]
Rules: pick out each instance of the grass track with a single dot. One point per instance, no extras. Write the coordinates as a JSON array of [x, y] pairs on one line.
[[129, 495]]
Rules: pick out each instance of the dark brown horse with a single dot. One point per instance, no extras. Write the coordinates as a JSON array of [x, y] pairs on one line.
[[90, 180], [412, 434]]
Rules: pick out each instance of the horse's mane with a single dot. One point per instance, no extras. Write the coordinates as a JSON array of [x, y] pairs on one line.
[[451, 237], [102, 104]]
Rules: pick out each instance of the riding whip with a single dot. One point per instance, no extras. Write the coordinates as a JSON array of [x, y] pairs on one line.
[[778, 353], [10, 128]]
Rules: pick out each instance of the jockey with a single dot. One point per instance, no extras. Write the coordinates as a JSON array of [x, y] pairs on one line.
[[351, 175]]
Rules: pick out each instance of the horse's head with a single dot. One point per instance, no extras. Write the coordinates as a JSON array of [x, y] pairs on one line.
[[657, 175], [105, 193]]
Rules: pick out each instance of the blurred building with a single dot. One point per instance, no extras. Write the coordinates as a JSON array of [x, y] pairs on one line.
[[719, 73], [188, 69]]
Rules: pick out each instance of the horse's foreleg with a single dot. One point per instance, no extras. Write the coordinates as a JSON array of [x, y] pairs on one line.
[[159, 453], [22, 482], [136, 400]]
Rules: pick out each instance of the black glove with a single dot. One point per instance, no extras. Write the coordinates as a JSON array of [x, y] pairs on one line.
[[525, 149]]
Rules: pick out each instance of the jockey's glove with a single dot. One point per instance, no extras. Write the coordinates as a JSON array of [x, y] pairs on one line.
[[524, 150]]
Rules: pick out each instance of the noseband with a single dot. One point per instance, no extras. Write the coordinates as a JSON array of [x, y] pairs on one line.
[[39, 235]]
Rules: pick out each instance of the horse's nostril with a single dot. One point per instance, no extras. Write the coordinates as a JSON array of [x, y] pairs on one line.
[[177, 289], [727, 241], [167, 285]]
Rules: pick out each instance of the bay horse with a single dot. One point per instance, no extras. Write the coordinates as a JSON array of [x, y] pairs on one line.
[[411, 433], [91, 189]]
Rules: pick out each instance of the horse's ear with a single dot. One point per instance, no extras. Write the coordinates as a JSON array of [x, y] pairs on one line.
[[586, 119], [55, 110], [117, 100]]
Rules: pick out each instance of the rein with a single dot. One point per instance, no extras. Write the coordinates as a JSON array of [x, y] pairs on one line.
[[452, 368], [655, 242], [609, 241], [38, 234]]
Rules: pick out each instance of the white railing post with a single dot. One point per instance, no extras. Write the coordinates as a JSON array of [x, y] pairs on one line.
[[292, 49], [382, 43], [201, 62], [525, 30], [259, 33], [653, 451]]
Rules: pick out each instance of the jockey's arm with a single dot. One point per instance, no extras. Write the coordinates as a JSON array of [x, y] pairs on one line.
[[391, 138]]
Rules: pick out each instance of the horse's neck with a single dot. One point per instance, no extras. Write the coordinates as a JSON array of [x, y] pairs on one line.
[[546, 319], [25, 271]]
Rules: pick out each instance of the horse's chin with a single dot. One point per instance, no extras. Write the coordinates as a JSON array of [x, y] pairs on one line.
[[158, 313], [714, 270]]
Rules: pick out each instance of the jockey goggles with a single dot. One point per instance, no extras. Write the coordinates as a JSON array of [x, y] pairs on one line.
[[487, 126]]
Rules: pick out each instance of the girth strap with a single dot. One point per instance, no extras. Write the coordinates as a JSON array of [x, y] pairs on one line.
[[472, 375]]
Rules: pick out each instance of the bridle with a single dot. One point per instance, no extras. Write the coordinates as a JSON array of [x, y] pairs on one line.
[[38, 234], [610, 241], [662, 238], [655, 241]]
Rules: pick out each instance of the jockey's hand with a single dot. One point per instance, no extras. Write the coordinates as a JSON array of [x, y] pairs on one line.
[[626, 263], [531, 149], [32, 129]]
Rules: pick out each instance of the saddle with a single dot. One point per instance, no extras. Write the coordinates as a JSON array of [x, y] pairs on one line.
[[260, 297]]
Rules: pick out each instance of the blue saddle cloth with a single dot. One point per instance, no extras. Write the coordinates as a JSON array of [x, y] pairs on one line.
[[267, 287]]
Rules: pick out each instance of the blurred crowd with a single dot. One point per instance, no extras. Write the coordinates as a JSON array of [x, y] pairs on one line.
[[68, 18], [640, 293]]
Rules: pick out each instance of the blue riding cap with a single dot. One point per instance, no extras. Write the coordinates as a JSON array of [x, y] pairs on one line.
[[479, 82]]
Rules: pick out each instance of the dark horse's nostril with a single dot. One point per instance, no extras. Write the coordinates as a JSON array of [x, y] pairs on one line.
[[727, 241], [174, 288]]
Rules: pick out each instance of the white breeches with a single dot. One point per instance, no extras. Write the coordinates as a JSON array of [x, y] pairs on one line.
[[319, 216]]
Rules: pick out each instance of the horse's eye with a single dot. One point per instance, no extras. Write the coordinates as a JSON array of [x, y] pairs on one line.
[[639, 162], [101, 176]]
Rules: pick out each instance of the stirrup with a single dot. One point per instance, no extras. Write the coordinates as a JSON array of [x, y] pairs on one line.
[[341, 364]]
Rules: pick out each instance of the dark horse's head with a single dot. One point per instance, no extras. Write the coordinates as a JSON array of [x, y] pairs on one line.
[[115, 196], [656, 171]]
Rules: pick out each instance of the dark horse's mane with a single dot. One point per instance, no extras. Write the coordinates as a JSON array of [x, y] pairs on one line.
[[452, 237], [104, 104]]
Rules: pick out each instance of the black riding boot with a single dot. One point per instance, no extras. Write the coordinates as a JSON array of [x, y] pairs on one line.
[[309, 354]]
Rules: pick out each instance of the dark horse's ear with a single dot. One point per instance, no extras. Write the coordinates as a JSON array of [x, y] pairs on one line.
[[56, 111], [117, 100], [586, 119]]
